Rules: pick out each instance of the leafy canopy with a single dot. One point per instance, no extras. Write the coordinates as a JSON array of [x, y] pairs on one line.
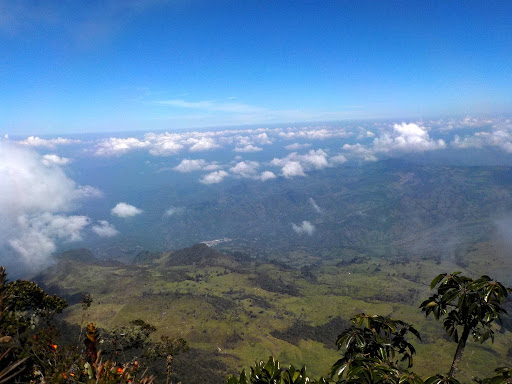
[[467, 304]]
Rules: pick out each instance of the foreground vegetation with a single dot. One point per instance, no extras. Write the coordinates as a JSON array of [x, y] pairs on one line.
[[375, 349], [232, 308]]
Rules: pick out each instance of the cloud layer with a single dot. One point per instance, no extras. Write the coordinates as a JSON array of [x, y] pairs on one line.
[[35, 196]]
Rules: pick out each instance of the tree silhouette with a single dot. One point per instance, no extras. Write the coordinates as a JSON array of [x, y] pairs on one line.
[[468, 307]]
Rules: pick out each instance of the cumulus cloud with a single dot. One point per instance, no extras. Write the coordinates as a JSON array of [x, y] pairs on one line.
[[104, 229], [500, 137], [165, 147], [314, 159], [241, 140], [190, 165], [86, 192], [407, 138], [297, 146], [338, 159], [295, 164], [28, 186], [360, 151], [400, 138], [245, 168], [248, 148], [202, 144], [125, 210], [38, 234], [313, 133], [292, 168], [51, 159], [33, 201], [214, 177], [34, 141], [306, 228], [114, 146], [267, 175], [365, 134], [262, 139]]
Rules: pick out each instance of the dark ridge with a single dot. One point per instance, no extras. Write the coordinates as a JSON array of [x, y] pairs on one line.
[[210, 370], [275, 285], [144, 257], [84, 255], [325, 333], [196, 254], [71, 298]]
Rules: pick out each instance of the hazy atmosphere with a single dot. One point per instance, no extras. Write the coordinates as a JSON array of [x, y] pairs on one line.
[[248, 176]]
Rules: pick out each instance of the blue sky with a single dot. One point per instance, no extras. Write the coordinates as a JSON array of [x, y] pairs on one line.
[[69, 67]]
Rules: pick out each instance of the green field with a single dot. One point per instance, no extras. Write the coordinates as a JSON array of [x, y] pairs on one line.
[[233, 309]]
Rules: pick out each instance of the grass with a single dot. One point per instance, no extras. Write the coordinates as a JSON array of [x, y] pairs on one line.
[[224, 308]]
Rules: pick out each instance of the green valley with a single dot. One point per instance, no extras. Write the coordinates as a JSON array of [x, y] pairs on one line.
[[233, 309]]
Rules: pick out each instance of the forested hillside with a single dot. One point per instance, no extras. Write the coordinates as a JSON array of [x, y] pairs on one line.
[[232, 309]]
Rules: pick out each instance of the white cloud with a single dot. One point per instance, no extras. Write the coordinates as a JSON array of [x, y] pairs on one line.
[[500, 137], [51, 159], [262, 139], [202, 144], [38, 235], [104, 229], [242, 140], [28, 187], [190, 165], [34, 141], [86, 192], [297, 146], [305, 228], [467, 123], [338, 159], [295, 164], [248, 148], [314, 159], [267, 175], [125, 210], [364, 134], [245, 168], [165, 146], [360, 151], [292, 168], [33, 201], [401, 138], [214, 177], [116, 146], [315, 205], [406, 138], [313, 133]]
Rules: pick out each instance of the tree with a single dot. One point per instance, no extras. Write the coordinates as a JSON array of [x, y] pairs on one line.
[[271, 372], [26, 306], [468, 307], [376, 350]]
